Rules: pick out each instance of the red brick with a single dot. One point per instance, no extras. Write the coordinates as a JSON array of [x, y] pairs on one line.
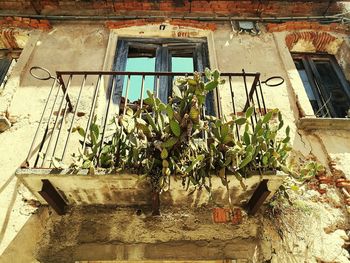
[[221, 215]]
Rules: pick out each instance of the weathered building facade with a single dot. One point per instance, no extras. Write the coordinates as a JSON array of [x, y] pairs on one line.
[[304, 43]]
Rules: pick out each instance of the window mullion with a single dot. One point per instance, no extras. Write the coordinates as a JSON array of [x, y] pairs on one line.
[[326, 100], [315, 89], [162, 65], [119, 65]]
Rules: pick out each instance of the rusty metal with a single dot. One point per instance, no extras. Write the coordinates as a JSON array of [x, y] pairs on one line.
[[56, 122], [258, 197], [52, 197], [147, 73], [74, 114], [92, 109], [95, 81], [64, 88]]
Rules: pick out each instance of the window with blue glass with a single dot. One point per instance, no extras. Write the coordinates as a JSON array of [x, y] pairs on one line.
[[158, 55]]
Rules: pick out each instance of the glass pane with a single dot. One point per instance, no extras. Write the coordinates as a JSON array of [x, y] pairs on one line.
[[140, 64], [332, 89], [307, 85], [182, 64]]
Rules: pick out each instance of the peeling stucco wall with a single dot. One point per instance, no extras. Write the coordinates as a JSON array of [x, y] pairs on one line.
[[313, 230]]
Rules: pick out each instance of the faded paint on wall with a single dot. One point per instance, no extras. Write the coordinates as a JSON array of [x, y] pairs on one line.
[[82, 233]]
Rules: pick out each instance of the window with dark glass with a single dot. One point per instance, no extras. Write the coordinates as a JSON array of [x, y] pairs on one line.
[[324, 83], [5, 63], [158, 55]]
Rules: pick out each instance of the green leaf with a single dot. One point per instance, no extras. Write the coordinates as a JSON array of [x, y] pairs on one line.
[[249, 112], [287, 131], [81, 131], [239, 177], [95, 129], [287, 139], [164, 154], [170, 111], [245, 161], [265, 159], [194, 114], [175, 128], [211, 85], [170, 142], [149, 101], [224, 132], [241, 121], [246, 138], [151, 121], [216, 74], [207, 73], [294, 188], [86, 164], [267, 117], [129, 112], [93, 139], [192, 82]]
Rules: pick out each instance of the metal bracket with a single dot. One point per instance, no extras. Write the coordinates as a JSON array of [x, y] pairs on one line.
[[258, 197], [52, 197]]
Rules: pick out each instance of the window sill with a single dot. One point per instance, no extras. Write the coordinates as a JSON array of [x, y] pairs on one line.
[[324, 124]]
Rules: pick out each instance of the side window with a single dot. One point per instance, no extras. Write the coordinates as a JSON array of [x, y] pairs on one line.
[[157, 55], [325, 84], [8, 59], [5, 64]]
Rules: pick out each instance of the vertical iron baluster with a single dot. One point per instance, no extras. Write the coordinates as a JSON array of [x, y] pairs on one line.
[[126, 94], [262, 97], [257, 98], [40, 122], [47, 126], [233, 103], [247, 95], [106, 115], [92, 109], [73, 118], [256, 119], [56, 121], [59, 131]]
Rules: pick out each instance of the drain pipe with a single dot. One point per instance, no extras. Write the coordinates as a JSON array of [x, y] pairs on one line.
[[325, 19]]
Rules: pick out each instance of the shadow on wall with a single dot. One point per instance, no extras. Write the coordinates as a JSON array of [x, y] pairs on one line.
[[23, 246]]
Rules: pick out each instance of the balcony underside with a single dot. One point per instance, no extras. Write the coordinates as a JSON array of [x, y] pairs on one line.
[[80, 188]]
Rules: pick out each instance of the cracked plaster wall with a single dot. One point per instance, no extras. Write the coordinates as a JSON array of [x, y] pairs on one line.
[[313, 230]]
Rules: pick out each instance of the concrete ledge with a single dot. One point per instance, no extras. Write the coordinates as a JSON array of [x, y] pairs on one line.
[[324, 124], [80, 188]]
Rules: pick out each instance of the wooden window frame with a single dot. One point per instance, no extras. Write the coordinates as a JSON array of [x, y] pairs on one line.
[[165, 49], [312, 73]]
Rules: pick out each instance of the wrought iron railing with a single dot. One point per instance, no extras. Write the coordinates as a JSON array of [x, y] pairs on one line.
[[76, 97]]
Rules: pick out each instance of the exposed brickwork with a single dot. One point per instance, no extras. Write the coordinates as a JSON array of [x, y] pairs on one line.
[[25, 23], [225, 215], [175, 22], [320, 40], [217, 7], [304, 25], [8, 38]]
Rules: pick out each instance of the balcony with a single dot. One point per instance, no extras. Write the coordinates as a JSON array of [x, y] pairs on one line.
[[78, 98]]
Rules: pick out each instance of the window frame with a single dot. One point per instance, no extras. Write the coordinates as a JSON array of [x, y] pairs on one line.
[[163, 62], [308, 62]]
